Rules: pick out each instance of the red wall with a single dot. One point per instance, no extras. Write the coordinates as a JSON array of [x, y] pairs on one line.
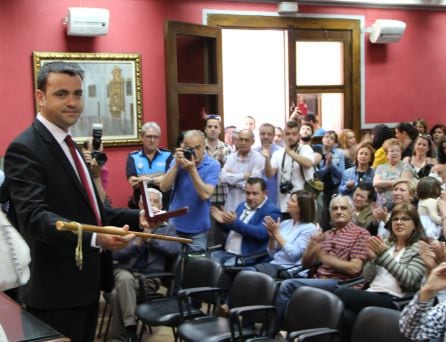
[[403, 81]]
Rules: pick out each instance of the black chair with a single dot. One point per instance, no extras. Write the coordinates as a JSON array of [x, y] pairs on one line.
[[377, 324], [372, 324], [252, 296], [170, 279], [311, 309], [198, 272], [398, 302]]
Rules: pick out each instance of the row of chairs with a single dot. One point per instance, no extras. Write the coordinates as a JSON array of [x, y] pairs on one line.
[[312, 313]]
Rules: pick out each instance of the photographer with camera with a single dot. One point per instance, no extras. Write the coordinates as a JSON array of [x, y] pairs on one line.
[[192, 176], [287, 163], [94, 156]]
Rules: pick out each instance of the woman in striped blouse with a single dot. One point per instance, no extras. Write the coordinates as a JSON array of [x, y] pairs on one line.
[[394, 269]]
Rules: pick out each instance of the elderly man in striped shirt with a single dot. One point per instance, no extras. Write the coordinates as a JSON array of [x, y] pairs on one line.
[[340, 254]]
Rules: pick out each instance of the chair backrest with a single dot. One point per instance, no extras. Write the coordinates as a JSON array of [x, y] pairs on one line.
[[377, 324], [201, 271], [173, 265], [310, 307], [252, 288]]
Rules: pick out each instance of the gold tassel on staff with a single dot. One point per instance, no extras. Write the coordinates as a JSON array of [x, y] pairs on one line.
[[74, 226], [78, 228]]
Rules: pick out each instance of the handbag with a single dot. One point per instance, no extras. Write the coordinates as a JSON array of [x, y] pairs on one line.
[[14, 267], [315, 186]]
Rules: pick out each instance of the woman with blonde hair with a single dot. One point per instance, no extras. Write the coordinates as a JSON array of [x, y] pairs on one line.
[[348, 143], [386, 174]]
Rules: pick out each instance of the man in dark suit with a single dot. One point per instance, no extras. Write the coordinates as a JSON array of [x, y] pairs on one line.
[[44, 185], [245, 232]]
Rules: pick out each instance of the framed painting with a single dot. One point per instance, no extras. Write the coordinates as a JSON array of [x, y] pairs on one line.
[[112, 94]]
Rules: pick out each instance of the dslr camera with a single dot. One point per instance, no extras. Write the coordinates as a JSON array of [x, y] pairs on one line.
[[100, 157], [188, 152], [285, 187]]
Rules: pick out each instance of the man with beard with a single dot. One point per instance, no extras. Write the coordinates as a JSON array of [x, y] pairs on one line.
[[291, 163]]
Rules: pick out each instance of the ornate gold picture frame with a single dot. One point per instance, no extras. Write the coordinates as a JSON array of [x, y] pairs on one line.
[[112, 94]]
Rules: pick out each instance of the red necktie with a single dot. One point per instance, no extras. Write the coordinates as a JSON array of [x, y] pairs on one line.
[[83, 176]]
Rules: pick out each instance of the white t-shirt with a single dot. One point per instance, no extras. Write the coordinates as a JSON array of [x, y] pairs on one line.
[[291, 172]]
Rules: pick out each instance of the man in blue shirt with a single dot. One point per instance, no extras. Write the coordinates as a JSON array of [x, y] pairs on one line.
[[192, 177], [148, 164]]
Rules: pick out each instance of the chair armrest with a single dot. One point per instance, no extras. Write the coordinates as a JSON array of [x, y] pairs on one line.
[[400, 303], [184, 295], [352, 282], [303, 335], [241, 260], [214, 248], [236, 323]]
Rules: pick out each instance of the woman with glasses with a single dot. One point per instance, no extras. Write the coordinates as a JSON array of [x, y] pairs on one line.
[[419, 164], [394, 269]]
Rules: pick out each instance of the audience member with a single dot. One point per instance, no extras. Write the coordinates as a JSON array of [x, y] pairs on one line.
[[422, 319], [406, 133], [250, 123], [331, 167], [278, 136], [403, 191], [361, 172], [428, 193], [228, 135], [421, 126], [142, 256], [245, 233], [340, 253], [99, 173], [441, 151], [438, 133], [289, 239], [290, 164], [420, 163], [347, 143], [239, 167], [380, 134], [386, 174], [149, 164], [394, 268], [267, 148], [311, 120], [47, 181], [192, 177], [219, 151], [363, 198]]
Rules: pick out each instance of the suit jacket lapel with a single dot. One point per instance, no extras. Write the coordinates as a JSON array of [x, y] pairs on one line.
[[59, 155]]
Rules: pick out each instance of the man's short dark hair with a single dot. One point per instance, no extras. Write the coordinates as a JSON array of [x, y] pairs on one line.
[[407, 127], [291, 124], [364, 186], [57, 67], [257, 180]]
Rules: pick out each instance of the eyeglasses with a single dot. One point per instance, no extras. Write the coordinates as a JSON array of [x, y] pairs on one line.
[[402, 219], [152, 137], [425, 136]]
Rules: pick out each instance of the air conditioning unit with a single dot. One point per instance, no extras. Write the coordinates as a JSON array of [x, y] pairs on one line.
[[387, 31], [87, 22], [287, 7]]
